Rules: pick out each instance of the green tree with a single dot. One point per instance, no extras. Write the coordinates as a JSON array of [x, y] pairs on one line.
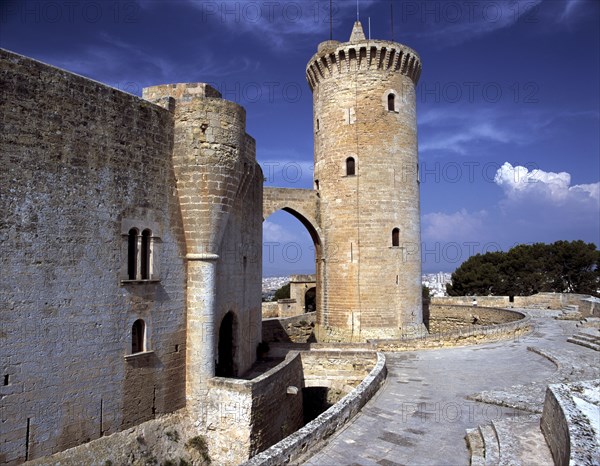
[[282, 293], [426, 292], [562, 267]]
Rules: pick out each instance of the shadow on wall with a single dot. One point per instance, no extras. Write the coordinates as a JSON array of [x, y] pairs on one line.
[[297, 329]]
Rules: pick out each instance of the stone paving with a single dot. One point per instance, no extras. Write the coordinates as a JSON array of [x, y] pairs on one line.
[[420, 415]]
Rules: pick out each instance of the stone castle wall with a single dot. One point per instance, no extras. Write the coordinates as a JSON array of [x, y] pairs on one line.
[[94, 177], [82, 163]]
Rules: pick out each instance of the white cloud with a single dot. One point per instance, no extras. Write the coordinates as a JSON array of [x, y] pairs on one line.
[[274, 233], [521, 184], [570, 10], [457, 226], [461, 128], [459, 142]]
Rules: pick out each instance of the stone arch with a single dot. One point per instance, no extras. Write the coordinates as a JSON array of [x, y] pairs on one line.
[[300, 203], [303, 205]]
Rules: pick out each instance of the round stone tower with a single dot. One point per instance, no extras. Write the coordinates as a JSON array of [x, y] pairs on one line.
[[366, 158]]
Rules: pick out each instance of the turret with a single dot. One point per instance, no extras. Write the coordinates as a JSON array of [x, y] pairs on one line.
[[366, 175]]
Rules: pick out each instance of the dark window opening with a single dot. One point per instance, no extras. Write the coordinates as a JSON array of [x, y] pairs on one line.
[[177, 348], [317, 184], [391, 102], [132, 254], [396, 237], [145, 254], [350, 166], [511, 299], [318, 125], [137, 336], [6, 379]]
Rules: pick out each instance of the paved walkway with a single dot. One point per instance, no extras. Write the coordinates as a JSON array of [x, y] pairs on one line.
[[420, 415]]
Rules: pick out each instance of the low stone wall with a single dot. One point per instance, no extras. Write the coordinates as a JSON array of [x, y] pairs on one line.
[[485, 301], [241, 418], [294, 446], [282, 308], [270, 310], [247, 416], [329, 375], [453, 328], [587, 305], [297, 329], [571, 422], [446, 318]]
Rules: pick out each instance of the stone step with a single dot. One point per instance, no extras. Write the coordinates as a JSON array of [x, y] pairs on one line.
[[476, 447], [569, 315], [491, 447], [584, 343], [589, 322], [521, 442], [587, 337]]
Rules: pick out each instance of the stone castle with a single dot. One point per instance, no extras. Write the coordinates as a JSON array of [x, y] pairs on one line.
[[131, 237]]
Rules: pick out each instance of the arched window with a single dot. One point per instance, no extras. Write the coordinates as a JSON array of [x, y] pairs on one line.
[[138, 336], [132, 250], [350, 166], [146, 258], [396, 237], [391, 102]]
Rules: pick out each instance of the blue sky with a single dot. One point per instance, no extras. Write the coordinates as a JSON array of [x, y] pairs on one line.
[[508, 101]]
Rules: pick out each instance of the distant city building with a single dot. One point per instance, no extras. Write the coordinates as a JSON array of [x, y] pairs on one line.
[[436, 282]]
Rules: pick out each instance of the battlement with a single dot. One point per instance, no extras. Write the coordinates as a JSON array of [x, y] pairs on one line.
[[360, 54], [377, 55]]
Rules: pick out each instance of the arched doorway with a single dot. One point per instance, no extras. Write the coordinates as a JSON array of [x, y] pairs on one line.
[[225, 363], [310, 300]]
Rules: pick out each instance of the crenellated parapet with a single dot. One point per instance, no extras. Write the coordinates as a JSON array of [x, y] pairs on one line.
[[334, 59]]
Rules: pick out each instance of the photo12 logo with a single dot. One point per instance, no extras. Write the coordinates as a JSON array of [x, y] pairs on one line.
[[71, 12]]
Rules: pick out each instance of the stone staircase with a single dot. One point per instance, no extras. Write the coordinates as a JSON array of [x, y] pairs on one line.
[[589, 322], [570, 312], [509, 442], [587, 337]]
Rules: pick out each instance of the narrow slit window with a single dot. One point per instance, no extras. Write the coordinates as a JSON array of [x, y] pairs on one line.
[[146, 255], [138, 333], [396, 237], [350, 166], [132, 249], [391, 102]]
